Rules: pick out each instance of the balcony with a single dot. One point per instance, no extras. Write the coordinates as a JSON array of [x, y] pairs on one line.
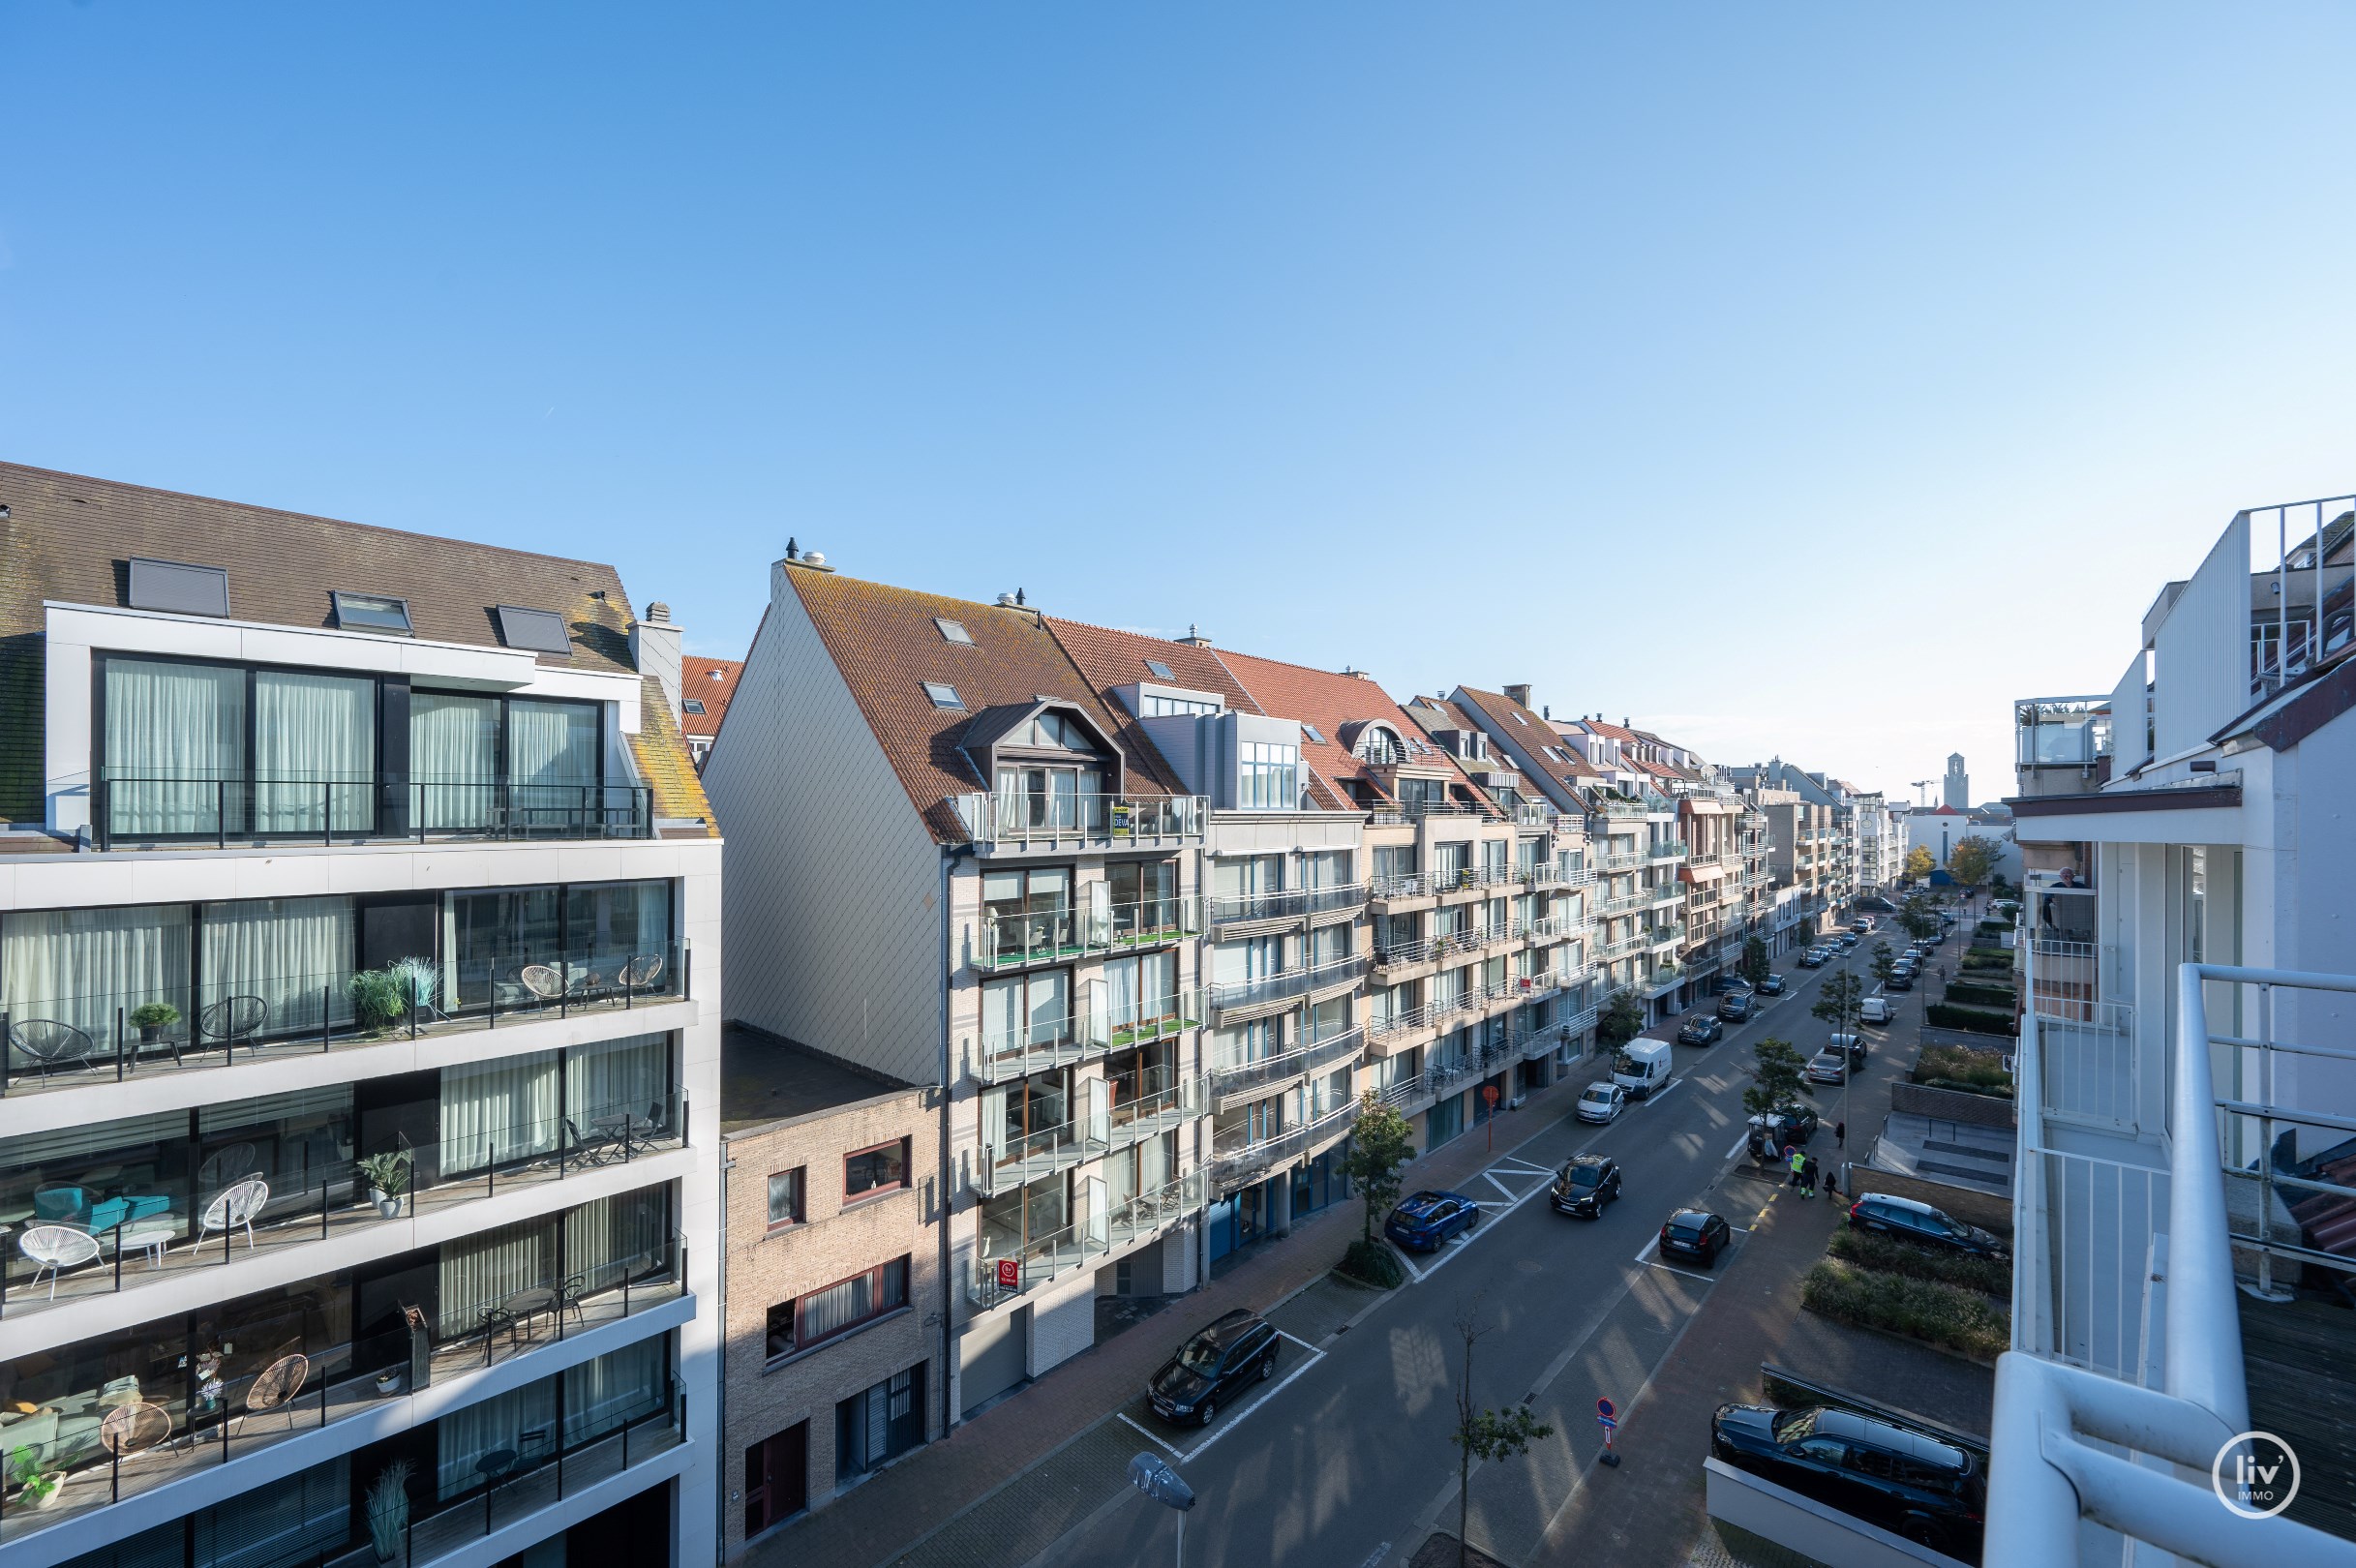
[[228, 1407], [1580, 875], [1004, 1269], [1623, 861], [108, 1214], [1289, 904], [1149, 1116], [1046, 1044], [1618, 805], [1669, 850], [264, 1013], [1665, 892], [1230, 996], [2062, 732], [1241, 1167], [1060, 936], [1004, 1164], [1027, 823], [1256, 1076], [142, 811]]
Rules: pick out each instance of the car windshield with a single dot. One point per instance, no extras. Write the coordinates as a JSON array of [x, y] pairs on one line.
[[1794, 1424], [1599, 1095], [1587, 1175], [1201, 1355]]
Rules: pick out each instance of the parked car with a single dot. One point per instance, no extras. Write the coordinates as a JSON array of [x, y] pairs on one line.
[[1920, 1222], [1700, 1029], [1213, 1368], [1641, 1068], [1768, 1134], [1877, 1009], [1902, 978], [1848, 942], [1734, 983], [1828, 1065], [1907, 1482], [1585, 1184], [1852, 1044], [1423, 1222], [1697, 1235], [1602, 1102], [1860, 926], [1772, 985], [1735, 1005], [1814, 958]]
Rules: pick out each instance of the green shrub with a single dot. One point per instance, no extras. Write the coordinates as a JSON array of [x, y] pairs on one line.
[[1980, 1071], [1975, 1020], [1994, 928], [1941, 1314], [1372, 1262], [1988, 955], [1994, 1091], [1891, 1255], [376, 1001], [1966, 994], [1987, 966]]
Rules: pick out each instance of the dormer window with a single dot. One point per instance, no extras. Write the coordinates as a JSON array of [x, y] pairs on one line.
[[1379, 746]]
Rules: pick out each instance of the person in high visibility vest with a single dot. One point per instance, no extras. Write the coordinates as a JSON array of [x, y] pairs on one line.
[[1799, 1163]]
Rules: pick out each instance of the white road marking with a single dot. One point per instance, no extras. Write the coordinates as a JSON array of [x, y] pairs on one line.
[[1651, 1262], [1663, 1093], [1500, 1185], [1242, 1412], [1740, 1144]]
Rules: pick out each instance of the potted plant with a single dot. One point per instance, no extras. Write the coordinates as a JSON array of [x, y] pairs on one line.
[[387, 1176], [388, 1509], [376, 999], [416, 981], [153, 1018], [37, 1486]]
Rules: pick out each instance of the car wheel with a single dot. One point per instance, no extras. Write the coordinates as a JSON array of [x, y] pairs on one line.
[[1267, 1366], [1471, 1220], [1210, 1408]]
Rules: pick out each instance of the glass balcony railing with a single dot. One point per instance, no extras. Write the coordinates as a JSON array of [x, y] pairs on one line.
[[1003, 1267], [70, 1041], [131, 809], [1291, 982], [1228, 1080], [1021, 822], [1006, 1163], [1290, 903], [1006, 1053], [1053, 936], [1232, 1168]]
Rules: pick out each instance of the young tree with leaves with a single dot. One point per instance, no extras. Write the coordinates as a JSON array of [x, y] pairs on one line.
[[1840, 1002], [1380, 1145], [1917, 916], [1777, 1079], [1621, 1019], [1754, 966], [1971, 862], [1884, 961], [1483, 1434], [1919, 863]]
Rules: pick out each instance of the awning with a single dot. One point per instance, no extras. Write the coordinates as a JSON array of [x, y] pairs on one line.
[[1710, 872], [1706, 807]]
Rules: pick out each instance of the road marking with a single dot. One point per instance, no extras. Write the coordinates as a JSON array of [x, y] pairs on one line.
[[1241, 1413], [1501, 1186], [1376, 1555], [1654, 1100], [1651, 1262], [1741, 1143]]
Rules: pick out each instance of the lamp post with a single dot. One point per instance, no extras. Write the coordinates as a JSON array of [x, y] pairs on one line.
[[1153, 1476]]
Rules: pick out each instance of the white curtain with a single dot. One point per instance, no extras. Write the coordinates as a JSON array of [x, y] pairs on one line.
[[1121, 990], [78, 966], [552, 759], [1154, 1161], [1050, 1003], [172, 730], [617, 1387], [861, 1296], [614, 1239], [523, 1421], [483, 1270], [617, 1075], [1121, 1177], [294, 953], [453, 758], [501, 1110], [315, 752]]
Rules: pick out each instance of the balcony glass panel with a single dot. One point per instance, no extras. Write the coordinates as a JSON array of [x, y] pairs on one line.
[[454, 752], [172, 730]]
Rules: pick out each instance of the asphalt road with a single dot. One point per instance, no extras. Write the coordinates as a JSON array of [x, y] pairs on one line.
[[1345, 1459]]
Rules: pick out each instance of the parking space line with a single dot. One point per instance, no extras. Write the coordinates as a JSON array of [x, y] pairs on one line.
[[1741, 1143], [1653, 1246], [1656, 1099], [1142, 1431], [1500, 1185], [1242, 1412]]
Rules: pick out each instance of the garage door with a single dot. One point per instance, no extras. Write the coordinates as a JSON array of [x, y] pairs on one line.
[[993, 1357]]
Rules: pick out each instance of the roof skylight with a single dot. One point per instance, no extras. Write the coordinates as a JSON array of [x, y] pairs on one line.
[[537, 631], [1314, 733], [1159, 670], [953, 631], [943, 694], [373, 612], [179, 588], [695, 705]]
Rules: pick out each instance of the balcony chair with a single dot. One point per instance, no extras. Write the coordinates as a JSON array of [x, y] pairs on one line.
[[131, 1429], [232, 1210], [223, 1166], [53, 1045], [544, 981], [589, 1149], [275, 1387], [229, 1021], [569, 1296], [56, 1249], [60, 1205], [642, 972]]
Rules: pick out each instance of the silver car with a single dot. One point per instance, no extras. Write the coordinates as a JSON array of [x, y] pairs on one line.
[[1602, 1102]]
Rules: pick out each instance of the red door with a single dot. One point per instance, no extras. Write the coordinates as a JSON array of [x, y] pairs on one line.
[[776, 1478]]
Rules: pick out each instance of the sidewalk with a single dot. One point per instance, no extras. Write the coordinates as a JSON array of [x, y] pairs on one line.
[[881, 1521]]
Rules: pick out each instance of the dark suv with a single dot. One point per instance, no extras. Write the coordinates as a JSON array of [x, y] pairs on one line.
[[1213, 1368], [1585, 1184], [1926, 1490], [1735, 1005], [1920, 1222]]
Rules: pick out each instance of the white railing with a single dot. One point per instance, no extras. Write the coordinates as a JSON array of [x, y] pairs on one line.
[[1240, 1167], [1231, 1078], [2073, 1445], [1007, 1054], [1291, 982], [1031, 821], [1399, 885]]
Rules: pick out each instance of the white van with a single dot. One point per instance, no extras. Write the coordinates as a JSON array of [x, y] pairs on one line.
[[1877, 1009], [1642, 1067]]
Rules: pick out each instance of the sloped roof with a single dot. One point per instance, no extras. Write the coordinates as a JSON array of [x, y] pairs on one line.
[[662, 759], [1333, 702], [1536, 733], [885, 641], [713, 682]]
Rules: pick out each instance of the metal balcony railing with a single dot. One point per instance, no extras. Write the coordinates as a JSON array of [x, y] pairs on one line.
[[1024, 821], [1022, 937], [1228, 1080], [1401, 885], [1624, 861], [1579, 875], [1006, 1267], [1290, 903], [1004, 1054], [1231, 1169], [138, 809], [1292, 983], [1007, 1162], [1668, 850]]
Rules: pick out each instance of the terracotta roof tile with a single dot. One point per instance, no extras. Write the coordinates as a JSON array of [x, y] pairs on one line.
[[711, 682], [1333, 702], [885, 641], [1536, 733]]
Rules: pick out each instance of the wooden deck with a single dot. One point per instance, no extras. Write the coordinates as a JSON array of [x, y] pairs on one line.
[[2299, 1357]]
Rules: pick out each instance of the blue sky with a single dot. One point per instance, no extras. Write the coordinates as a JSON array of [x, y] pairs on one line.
[[1799, 378]]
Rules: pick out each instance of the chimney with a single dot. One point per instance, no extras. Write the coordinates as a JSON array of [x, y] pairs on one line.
[[654, 648], [1194, 637], [1518, 694]]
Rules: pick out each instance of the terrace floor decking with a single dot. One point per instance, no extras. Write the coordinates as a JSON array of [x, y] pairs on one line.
[[2299, 1358]]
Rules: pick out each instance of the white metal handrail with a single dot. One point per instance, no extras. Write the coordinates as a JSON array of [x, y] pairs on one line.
[[1242, 1077], [1011, 820]]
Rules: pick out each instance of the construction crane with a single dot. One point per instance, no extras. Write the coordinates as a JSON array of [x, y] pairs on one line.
[[1924, 786]]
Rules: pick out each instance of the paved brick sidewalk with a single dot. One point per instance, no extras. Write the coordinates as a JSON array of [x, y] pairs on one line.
[[883, 1520]]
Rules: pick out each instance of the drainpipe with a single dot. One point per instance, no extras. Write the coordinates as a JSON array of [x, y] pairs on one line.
[[949, 1329], [719, 1492]]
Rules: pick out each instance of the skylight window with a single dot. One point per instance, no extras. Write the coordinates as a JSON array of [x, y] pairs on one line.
[[1519, 719], [943, 694], [695, 705], [1313, 732], [536, 631], [373, 612], [179, 588], [953, 631], [1159, 670]]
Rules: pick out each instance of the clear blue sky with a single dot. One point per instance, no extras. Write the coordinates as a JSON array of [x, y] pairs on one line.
[[1807, 380]]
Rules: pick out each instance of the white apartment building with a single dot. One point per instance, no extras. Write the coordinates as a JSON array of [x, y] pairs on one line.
[[359, 977], [2186, 1190]]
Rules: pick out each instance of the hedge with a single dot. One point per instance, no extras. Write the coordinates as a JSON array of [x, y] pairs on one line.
[[1991, 928], [2002, 956], [1963, 993], [1962, 1066], [1992, 1277], [1373, 1263], [1943, 1314], [1978, 1020], [1987, 966]]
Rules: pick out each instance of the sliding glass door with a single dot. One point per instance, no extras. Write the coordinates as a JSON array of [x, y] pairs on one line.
[[175, 742]]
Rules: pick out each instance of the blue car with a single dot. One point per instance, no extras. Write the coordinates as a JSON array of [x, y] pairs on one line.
[[1423, 1222]]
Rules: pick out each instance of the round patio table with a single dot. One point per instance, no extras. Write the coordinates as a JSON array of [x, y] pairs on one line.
[[525, 1305]]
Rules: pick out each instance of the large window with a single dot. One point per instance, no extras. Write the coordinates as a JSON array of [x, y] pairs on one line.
[[838, 1308], [1268, 777], [878, 1425], [882, 1168]]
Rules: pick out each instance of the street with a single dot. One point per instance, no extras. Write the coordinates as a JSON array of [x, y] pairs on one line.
[[1345, 1457]]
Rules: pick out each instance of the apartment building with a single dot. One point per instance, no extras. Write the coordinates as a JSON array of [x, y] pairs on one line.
[[1812, 838], [360, 967], [704, 687], [835, 1299], [2186, 1193], [1880, 849]]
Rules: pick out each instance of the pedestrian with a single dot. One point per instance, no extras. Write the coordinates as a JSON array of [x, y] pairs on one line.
[[1840, 1134], [1807, 1177], [1832, 1184], [1798, 1164]]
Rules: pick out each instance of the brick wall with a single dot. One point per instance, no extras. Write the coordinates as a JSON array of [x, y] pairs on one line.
[[832, 1243], [1953, 1105]]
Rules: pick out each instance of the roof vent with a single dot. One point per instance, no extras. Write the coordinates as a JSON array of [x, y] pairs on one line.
[[1194, 637], [658, 612], [813, 558]]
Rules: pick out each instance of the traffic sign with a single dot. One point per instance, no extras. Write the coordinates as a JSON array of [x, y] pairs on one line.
[[1606, 1423], [1606, 1409]]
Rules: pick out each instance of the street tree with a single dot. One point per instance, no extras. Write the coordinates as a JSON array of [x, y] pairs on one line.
[[1754, 964], [1885, 960], [1971, 862], [1777, 1079], [1379, 1147], [1919, 863], [1840, 1002], [1481, 1433], [1917, 916], [1621, 1019]]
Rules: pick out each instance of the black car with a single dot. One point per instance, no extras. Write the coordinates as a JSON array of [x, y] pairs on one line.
[[1813, 958], [1907, 1482], [1697, 1235], [1585, 1184], [1900, 979], [1920, 1222], [1700, 1029], [1772, 985], [1213, 1368], [1735, 1005], [1795, 1125]]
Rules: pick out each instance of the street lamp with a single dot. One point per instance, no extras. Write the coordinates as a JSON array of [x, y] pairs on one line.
[[1150, 1474]]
